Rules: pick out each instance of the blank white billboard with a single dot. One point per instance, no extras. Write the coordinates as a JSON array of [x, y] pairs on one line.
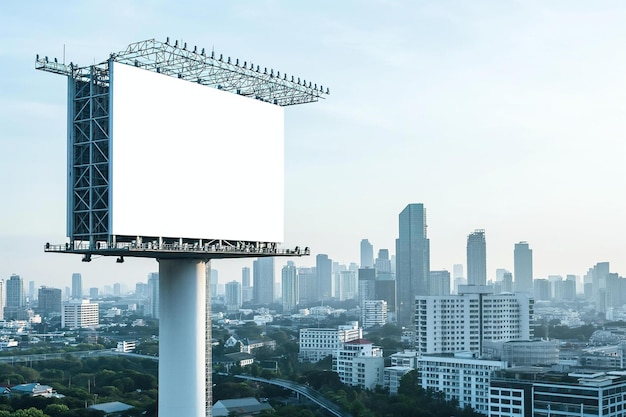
[[192, 161]]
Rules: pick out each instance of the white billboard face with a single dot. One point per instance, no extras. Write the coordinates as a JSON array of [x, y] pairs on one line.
[[192, 161]]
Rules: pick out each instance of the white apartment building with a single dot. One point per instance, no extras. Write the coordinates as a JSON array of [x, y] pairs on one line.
[[407, 358], [459, 323], [79, 313], [316, 344], [392, 375], [373, 313], [461, 376], [360, 364]]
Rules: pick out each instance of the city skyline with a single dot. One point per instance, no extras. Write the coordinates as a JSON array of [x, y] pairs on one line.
[[507, 119]]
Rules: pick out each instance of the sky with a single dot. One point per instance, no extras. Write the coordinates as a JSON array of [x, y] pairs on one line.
[[503, 116]]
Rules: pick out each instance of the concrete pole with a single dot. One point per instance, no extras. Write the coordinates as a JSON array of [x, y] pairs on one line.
[[182, 344]]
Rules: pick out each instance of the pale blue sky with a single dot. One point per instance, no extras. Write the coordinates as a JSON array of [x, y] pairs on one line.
[[504, 116]]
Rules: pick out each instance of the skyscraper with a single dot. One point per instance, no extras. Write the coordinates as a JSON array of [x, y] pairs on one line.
[[290, 287], [246, 288], [77, 286], [476, 258], [383, 263], [367, 254], [263, 281], [523, 268], [49, 300], [323, 271], [15, 297], [153, 289], [412, 261], [2, 298], [232, 295]]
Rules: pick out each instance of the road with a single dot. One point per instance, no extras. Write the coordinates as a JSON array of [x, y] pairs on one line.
[[308, 392]]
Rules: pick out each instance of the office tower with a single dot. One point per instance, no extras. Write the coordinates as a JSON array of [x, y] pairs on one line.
[[507, 282], [599, 274], [31, 291], [49, 300], [439, 282], [367, 254], [523, 268], [290, 287], [93, 292], [3, 298], [542, 289], [213, 274], [383, 263], [460, 323], [457, 271], [153, 288], [323, 271], [346, 286], [77, 286], [367, 288], [15, 293], [307, 285], [117, 289], [246, 288], [233, 293], [500, 274], [476, 258], [263, 281], [412, 261], [385, 289]]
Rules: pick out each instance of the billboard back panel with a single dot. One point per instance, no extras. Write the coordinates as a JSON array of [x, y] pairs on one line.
[[192, 161]]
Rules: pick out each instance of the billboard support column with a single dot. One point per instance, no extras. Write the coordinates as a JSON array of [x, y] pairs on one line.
[[182, 343]]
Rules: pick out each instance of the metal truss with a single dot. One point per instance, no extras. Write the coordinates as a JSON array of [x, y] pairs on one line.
[[223, 73], [176, 60], [89, 156]]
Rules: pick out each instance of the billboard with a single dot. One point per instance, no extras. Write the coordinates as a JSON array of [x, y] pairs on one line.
[[192, 161]]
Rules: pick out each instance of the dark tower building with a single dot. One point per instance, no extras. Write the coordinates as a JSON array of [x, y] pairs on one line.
[[412, 261], [476, 258], [523, 268]]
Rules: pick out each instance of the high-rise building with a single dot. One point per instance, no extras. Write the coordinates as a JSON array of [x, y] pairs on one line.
[[77, 286], [290, 287], [412, 261], [346, 285], [307, 283], [367, 288], [153, 288], [457, 271], [367, 254], [246, 288], [3, 298], [32, 295], [93, 292], [599, 274], [232, 295], [263, 281], [49, 300], [460, 323], [79, 313], [523, 268], [476, 258], [117, 289], [15, 297], [383, 263], [439, 282], [213, 277], [324, 273]]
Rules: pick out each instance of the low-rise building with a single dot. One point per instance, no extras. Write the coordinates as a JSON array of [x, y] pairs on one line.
[[317, 343], [460, 376], [360, 364], [392, 375]]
